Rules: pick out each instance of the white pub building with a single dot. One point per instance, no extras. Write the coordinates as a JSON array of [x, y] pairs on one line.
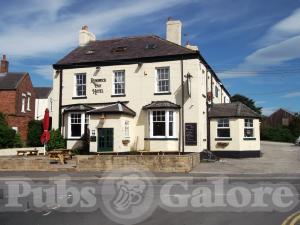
[[147, 93]]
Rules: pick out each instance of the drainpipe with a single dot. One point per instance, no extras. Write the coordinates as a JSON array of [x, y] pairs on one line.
[[207, 118], [182, 107], [60, 99]]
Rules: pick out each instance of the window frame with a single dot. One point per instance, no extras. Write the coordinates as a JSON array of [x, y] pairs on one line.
[[82, 125], [166, 122], [217, 92], [28, 101], [75, 94], [23, 103], [251, 127], [122, 83], [223, 127], [126, 129], [157, 80]]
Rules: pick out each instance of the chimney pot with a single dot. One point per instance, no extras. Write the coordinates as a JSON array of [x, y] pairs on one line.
[[85, 36], [85, 27], [4, 65]]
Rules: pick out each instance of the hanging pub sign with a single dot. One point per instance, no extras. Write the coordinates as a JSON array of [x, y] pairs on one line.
[[190, 134], [97, 85]]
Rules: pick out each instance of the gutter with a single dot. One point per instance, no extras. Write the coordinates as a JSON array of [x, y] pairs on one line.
[[182, 106], [60, 99]]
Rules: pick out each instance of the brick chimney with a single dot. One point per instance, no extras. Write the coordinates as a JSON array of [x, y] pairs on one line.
[[4, 65], [173, 33], [85, 36]]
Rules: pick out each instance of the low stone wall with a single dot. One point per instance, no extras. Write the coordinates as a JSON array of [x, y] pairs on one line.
[[13, 151], [155, 163], [19, 163]]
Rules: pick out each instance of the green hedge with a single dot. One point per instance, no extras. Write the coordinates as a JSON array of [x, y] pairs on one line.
[[8, 137], [35, 130], [280, 134]]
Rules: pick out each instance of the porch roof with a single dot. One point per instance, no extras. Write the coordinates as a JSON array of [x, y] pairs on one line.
[[161, 105], [78, 108], [116, 108], [234, 109]]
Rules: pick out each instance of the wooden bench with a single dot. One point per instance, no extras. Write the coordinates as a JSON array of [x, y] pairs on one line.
[[60, 154], [27, 152]]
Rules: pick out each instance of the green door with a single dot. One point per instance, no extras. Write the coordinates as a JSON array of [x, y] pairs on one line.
[[105, 139]]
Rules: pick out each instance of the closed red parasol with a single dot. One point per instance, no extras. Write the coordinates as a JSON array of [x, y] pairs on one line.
[[46, 134]]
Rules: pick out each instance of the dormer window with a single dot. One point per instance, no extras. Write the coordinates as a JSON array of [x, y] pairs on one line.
[[119, 49], [90, 52], [151, 46]]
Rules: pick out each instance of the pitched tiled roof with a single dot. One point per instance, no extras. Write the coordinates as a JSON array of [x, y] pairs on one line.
[[234, 109], [123, 49], [10, 81], [42, 92], [78, 108], [116, 108], [161, 105]]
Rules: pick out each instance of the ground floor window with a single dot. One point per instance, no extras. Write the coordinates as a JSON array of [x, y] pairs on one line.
[[248, 128], [223, 128], [77, 125], [162, 123], [126, 129]]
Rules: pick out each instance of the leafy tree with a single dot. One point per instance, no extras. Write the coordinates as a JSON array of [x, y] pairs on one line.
[[247, 101], [56, 140], [35, 130], [282, 134], [8, 136]]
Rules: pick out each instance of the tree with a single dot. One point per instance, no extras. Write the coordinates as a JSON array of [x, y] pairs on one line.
[[247, 101], [35, 130], [8, 137], [56, 140]]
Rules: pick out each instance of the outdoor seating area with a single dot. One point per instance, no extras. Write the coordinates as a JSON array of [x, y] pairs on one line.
[[27, 152], [60, 155]]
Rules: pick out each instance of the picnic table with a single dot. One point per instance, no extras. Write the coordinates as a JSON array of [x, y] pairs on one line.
[[27, 152], [60, 154]]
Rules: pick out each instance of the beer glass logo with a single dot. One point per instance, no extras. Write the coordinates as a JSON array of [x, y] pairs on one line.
[[127, 197]]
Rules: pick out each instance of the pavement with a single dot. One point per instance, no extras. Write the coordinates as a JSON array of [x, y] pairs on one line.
[[277, 158], [278, 168]]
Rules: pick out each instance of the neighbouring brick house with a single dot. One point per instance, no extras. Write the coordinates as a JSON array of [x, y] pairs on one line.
[[17, 98]]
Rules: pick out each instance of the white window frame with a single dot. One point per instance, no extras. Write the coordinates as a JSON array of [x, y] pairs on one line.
[[114, 82], [167, 122], [223, 127], [157, 80], [126, 129], [28, 101], [75, 94], [216, 91], [251, 127], [82, 125], [23, 103]]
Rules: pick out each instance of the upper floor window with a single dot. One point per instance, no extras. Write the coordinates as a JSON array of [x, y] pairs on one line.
[[216, 92], [223, 128], [248, 128], [119, 82], [23, 102], [80, 84], [28, 101], [163, 80], [162, 124]]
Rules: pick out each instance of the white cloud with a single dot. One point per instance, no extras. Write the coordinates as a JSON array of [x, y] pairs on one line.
[[45, 71], [260, 102], [292, 94], [268, 110], [51, 32], [280, 44]]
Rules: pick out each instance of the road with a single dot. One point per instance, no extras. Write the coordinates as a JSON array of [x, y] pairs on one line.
[[151, 210]]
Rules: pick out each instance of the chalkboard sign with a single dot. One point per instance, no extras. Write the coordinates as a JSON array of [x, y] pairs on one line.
[[93, 139], [191, 134]]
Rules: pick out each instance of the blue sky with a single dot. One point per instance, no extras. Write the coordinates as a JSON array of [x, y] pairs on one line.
[[253, 45]]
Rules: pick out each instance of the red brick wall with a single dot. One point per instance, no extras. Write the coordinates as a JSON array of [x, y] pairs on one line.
[[7, 102], [11, 105]]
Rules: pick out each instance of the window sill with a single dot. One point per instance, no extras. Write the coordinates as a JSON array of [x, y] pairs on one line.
[[73, 138], [161, 139], [249, 138], [79, 97], [223, 139], [162, 93], [122, 95]]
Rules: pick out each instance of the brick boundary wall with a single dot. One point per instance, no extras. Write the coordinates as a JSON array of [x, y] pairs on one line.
[[155, 163]]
